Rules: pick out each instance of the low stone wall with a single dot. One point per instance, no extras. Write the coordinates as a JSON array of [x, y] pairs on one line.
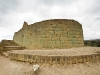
[[64, 60], [1, 48], [7, 48]]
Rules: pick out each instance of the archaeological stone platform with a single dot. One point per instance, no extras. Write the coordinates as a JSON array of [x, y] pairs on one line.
[[62, 57], [50, 34]]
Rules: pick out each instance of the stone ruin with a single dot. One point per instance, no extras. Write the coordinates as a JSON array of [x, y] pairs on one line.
[[50, 34], [7, 45], [53, 59]]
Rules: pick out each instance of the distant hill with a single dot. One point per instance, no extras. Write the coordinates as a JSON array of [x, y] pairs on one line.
[[93, 42]]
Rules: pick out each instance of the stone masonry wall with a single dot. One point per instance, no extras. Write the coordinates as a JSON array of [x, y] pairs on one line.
[[61, 60], [57, 33]]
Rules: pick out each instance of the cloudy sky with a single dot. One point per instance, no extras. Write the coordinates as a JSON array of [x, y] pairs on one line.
[[14, 12]]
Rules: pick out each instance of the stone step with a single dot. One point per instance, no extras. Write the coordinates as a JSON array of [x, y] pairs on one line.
[[9, 43], [5, 54], [6, 48]]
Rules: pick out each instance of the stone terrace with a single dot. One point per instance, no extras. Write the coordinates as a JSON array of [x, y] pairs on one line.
[[58, 56]]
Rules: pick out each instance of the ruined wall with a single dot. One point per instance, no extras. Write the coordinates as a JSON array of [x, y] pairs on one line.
[[1, 48], [61, 60], [57, 33]]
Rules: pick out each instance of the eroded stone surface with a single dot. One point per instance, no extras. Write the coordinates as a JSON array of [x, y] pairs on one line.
[[57, 33]]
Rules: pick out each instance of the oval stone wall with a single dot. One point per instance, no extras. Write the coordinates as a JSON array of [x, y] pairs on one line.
[[50, 34]]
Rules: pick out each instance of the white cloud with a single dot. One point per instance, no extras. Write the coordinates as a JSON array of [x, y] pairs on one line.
[[14, 13]]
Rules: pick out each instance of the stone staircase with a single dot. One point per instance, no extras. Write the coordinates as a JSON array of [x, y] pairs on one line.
[[11, 45]]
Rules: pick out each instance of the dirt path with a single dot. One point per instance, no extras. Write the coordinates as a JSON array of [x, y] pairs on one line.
[[8, 67]]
